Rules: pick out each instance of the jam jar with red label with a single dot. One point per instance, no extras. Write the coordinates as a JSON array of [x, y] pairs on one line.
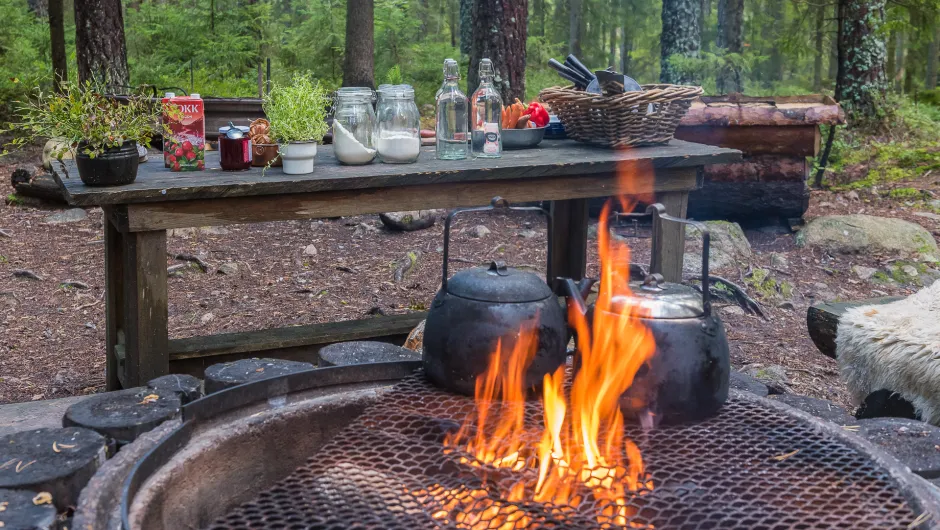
[[235, 149]]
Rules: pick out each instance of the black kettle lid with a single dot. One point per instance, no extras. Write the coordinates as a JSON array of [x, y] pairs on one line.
[[498, 283]]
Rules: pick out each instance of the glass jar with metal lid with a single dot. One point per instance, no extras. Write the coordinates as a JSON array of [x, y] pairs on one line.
[[398, 126], [354, 126]]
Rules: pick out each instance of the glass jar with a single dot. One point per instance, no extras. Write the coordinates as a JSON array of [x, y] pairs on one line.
[[354, 126], [398, 126], [234, 153]]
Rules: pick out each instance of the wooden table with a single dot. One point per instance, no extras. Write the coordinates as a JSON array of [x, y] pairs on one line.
[[139, 214]]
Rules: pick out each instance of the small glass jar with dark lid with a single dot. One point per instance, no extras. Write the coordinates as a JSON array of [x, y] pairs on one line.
[[234, 149]]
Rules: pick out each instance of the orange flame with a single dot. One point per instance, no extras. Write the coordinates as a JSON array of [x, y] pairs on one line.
[[582, 449]]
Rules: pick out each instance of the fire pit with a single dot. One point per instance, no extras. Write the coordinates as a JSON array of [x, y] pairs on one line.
[[377, 459]]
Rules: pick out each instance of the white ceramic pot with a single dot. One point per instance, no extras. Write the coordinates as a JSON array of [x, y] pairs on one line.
[[298, 157]]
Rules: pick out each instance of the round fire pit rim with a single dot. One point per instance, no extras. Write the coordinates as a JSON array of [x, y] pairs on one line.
[[213, 405]]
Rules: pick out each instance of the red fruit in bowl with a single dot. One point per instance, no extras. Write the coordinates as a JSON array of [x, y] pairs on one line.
[[179, 153], [176, 166], [187, 146], [200, 164], [190, 155]]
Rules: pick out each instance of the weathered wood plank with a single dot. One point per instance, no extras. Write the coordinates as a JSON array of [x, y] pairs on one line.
[[210, 212], [758, 139], [760, 168], [32, 181], [557, 158], [569, 239], [299, 343], [670, 237], [738, 110], [822, 320], [145, 307], [749, 200], [114, 294]]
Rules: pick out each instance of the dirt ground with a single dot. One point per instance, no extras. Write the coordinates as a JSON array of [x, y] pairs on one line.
[[52, 338]]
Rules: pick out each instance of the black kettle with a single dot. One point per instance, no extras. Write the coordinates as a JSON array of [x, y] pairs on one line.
[[687, 378], [479, 306]]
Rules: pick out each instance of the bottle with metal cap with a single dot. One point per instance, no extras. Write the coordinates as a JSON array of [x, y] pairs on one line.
[[486, 111], [452, 106]]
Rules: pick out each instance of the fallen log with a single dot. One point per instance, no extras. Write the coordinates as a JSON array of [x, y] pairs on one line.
[[822, 320], [32, 181]]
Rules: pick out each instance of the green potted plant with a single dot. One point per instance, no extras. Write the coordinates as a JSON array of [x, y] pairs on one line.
[[297, 113], [102, 132]]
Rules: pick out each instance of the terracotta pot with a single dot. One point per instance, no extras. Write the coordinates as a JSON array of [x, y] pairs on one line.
[[261, 154], [112, 167]]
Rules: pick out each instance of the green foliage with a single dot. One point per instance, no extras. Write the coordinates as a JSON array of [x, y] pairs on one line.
[[297, 111], [393, 77], [25, 56], [82, 117]]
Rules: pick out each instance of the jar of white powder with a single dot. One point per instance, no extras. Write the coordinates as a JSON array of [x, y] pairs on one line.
[[398, 125], [354, 126]]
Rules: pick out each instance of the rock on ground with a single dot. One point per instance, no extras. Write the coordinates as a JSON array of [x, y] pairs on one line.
[[409, 221], [851, 234], [478, 231], [729, 247], [773, 375], [72, 215]]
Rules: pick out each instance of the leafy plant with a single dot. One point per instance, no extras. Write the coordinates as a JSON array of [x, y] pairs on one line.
[[297, 111], [393, 77], [84, 118]]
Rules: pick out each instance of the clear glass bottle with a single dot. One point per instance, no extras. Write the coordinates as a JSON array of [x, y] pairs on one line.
[[354, 126], [486, 116], [398, 124], [452, 107]]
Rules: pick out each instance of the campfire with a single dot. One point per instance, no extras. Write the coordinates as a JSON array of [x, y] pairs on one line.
[[581, 449]]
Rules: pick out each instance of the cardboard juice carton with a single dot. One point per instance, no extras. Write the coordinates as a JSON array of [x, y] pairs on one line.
[[184, 149]]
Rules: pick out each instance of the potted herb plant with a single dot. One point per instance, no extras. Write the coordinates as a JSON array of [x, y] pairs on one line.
[[297, 113], [102, 132]]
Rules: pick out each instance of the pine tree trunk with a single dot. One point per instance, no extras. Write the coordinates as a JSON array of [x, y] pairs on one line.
[[612, 43], [99, 42], [626, 39], [60, 72], [860, 85], [575, 21], [452, 19], [820, 51], [834, 47], [915, 55], [930, 82], [899, 50], [731, 39], [681, 35], [499, 34], [892, 64], [466, 26], [777, 11], [358, 66]]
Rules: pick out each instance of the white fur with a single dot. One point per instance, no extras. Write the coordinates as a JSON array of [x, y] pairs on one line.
[[896, 347]]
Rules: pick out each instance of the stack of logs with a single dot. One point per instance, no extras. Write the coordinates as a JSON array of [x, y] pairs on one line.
[[776, 135]]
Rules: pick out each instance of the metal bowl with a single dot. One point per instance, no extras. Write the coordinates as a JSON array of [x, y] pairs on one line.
[[522, 138]]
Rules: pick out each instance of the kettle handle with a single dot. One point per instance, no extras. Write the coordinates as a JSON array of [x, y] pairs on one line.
[[497, 203], [658, 213]]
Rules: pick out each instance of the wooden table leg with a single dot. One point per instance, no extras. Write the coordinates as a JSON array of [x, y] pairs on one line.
[[667, 259], [569, 238], [145, 307], [114, 299]]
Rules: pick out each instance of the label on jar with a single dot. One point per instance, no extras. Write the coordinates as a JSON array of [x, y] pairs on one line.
[[491, 138]]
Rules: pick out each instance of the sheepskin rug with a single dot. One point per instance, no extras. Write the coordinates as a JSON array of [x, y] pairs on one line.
[[896, 347]]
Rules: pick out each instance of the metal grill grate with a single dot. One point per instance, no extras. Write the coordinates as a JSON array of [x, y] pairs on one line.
[[388, 470]]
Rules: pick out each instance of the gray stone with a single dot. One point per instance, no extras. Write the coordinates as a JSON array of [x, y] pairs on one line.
[[310, 250], [852, 195], [851, 234], [409, 221], [214, 230], [910, 270], [72, 215], [206, 318], [228, 268], [928, 215], [55, 149], [747, 383], [779, 261], [732, 310], [820, 408], [478, 231], [363, 229], [912, 442], [864, 273], [528, 234], [364, 352], [729, 247], [772, 375], [181, 232], [786, 305]]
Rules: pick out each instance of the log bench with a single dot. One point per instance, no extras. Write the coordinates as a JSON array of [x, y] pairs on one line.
[[822, 320]]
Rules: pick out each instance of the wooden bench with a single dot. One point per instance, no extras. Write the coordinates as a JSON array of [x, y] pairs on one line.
[[822, 320]]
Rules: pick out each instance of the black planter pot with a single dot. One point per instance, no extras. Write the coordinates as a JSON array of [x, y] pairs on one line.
[[113, 167]]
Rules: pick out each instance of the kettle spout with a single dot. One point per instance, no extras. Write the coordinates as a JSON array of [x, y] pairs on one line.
[[577, 292]]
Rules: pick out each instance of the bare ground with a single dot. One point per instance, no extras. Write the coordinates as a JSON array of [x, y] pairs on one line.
[[52, 338]]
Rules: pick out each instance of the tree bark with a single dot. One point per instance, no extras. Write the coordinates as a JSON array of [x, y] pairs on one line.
[[681, 35], [452, 20], [60, 72], [731, 39], [915, 54], [930, 82], [820, 51], [612, 44], [626, 38], [860, 85], [499, 34], [466, 26], [892, 64], [574, 27], [358, 65], [40, 8], [834, 47], [899, 50], [99, 42]]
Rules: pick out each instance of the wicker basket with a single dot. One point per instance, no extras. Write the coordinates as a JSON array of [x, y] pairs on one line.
[[623, 120]]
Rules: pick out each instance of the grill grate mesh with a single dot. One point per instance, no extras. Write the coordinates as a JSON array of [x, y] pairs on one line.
[[388, 470]]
